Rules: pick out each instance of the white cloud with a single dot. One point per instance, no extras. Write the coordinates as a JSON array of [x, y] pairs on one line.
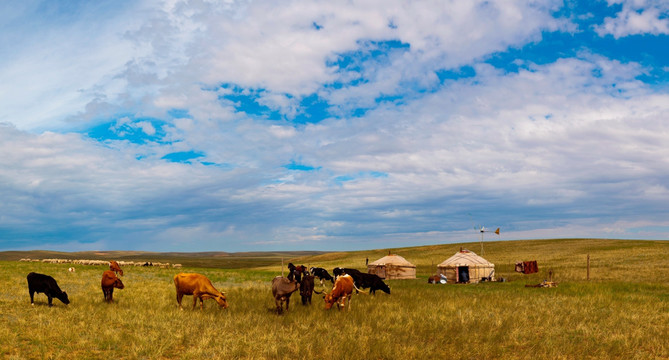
[[155, 49], [577, 137], [50, 74], [637, 17], [147, 127]]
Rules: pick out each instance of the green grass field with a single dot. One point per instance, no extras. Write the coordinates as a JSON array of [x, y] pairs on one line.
[[621, 313]]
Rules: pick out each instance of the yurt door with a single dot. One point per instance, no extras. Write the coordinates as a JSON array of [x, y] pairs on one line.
[[381, 271], [463, 274]]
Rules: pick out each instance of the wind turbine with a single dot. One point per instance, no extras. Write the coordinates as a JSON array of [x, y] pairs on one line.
[[481, 229]]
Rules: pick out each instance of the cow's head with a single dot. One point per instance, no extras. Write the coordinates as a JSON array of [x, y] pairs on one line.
[[222, 301], [329, 300], [118, 284], [63, 297]]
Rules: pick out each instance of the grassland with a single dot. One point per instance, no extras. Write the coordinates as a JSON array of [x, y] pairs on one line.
[[622, 312]]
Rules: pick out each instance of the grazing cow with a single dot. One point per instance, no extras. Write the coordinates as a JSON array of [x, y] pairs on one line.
[[70, 269], [307, 289], [355, 274], [321, 274], [200, 287], [113, 266], [342, 290], [282, 288], [108, 283], [40, 283], [373, 282]]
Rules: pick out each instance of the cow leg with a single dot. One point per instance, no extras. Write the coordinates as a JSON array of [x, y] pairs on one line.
[[111, 295], [287, 302], [32, 294], [201, 303], [349, 302], [50, 299], [194, 301], [279, 305], [179, 298]]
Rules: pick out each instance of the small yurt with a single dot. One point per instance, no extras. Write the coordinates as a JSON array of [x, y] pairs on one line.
[[466, 267], [392, 267]]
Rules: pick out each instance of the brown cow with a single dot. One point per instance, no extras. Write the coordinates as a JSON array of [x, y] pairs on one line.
[[109, 282], [282, 288], [200, 287], [113, 266], [342, 290], [307, 288]]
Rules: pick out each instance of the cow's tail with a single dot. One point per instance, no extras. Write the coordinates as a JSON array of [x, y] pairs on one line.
[[322, 291], [362, 291]]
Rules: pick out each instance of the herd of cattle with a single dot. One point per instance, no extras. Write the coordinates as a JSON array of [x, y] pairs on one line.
[[344, 282]]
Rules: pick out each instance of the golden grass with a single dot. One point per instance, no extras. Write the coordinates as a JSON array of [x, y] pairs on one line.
[[622, 313]]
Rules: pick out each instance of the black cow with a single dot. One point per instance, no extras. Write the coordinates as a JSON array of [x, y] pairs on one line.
[[363, 280], [373, 282], [307, 288], [321, 274], [341, 271], [40, 283], [355, 274]]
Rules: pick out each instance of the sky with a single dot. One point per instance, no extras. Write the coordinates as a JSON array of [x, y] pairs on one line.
[[330, 125]]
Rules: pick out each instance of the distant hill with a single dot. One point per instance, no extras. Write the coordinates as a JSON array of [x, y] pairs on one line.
[[216, 259], [610, 258]]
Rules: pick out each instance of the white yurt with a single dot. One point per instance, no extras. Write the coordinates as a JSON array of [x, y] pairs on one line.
[[392, 267], [466, 267]]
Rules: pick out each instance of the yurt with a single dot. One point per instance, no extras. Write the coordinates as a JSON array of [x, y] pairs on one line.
[[466, 267], [392, 267]]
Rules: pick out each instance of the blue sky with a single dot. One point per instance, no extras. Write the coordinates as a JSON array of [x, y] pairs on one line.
[[310, 125]]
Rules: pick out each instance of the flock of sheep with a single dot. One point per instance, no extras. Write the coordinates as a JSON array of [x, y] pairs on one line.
[[103, 262]]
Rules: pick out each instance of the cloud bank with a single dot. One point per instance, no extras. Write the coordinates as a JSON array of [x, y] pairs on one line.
[[232, 126]]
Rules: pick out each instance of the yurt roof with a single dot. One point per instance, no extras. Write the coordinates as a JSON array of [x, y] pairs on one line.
[[392, 259], [465, 257]]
